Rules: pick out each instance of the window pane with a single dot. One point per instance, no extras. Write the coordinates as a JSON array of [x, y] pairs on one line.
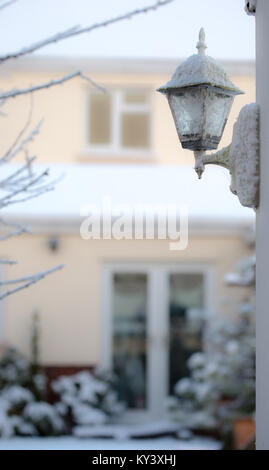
[[129, 339], [135, 130], [135, 97], [186, 302], [100, 108]]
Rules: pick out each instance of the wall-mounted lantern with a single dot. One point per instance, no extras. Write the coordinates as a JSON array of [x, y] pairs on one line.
[[200, 95]]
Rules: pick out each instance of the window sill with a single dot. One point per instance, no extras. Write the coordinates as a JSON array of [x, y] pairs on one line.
[[125, 156]]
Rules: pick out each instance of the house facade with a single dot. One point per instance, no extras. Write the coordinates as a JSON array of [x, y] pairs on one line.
[[131, 304]]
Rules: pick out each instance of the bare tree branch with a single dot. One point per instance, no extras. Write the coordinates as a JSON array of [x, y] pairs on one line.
[[23, 130], [25, 187], [24, 91], [76, 30], [27, 281], [7, 4], [7, 261], [19, 230], [15, 233], [29, 278], [22, 180], [37, 193], [11, 154], [38, 45], [9, 180], [31, 186]]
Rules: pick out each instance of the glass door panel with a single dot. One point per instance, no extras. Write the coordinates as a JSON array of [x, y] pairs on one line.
[[154, 315], [129, 349], [186, 308]]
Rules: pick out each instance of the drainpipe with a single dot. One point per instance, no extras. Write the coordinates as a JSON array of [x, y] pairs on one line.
[[261, 10]]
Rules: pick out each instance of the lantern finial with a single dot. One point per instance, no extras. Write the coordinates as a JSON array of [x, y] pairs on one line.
[[201, 45]]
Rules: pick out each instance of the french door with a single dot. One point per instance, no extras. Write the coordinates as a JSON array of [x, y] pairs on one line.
[[153, 320]]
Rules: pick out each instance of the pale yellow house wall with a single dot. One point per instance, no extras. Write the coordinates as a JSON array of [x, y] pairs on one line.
[[69, 301], [63, 109]]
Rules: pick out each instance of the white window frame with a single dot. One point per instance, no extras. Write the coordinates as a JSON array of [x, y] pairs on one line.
[[158, 323], [114, 148]]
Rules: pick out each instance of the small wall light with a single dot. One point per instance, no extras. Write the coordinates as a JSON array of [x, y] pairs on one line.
[[53, 244], [200, 95]]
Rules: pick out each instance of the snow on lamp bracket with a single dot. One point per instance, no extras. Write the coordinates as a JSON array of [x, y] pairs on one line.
[[200, 95], [250, 7]]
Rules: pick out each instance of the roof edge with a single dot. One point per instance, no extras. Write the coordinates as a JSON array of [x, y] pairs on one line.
[[38, 63], [198, 226]]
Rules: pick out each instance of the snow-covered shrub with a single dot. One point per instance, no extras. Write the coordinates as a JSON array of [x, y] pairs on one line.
[[16, 398], [221, 382], [6, 427], [21, 389], [221, 385], [86, 398], [14, 369], [44, 418]]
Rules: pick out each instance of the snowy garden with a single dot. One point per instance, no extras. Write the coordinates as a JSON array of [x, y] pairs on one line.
[[85, 406], [206, 401], [86, 413]]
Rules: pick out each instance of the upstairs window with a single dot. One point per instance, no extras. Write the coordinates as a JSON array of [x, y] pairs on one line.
[[119, 121]]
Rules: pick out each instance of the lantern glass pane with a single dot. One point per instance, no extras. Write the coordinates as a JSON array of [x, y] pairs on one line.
[[200, 114], [187, 110], [217, 109]]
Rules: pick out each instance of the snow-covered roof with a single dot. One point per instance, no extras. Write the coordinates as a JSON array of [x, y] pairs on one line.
[[107, 65], [209, 200]]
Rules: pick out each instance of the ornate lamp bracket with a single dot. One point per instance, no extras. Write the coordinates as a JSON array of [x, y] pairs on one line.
[[241, 157]]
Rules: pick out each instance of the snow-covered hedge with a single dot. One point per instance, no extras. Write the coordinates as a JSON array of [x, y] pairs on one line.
[[23, 410], [87, 398], [45, 418], [221, 385], [84, 399]]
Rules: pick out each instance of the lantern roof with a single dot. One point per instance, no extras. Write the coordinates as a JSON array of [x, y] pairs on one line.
[[200, 69]]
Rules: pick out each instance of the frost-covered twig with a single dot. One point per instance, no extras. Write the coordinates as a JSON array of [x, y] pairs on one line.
[[24, 91], [27, 281], [30, 278], [21, 133], [2, 113], [7, 261], [76, 30], [36, 193], [22, 181], [7, 4], [31, 186], [15, 233], [8, 198], [9, 155], [19, 230], [9, 180]]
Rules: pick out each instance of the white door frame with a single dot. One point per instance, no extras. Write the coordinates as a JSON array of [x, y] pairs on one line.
[[157, 326]]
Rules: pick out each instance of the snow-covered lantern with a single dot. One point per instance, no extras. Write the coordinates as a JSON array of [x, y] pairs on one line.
[[200, 95]]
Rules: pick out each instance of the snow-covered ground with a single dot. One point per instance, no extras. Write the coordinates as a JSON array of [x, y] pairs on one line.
[[72, 443]]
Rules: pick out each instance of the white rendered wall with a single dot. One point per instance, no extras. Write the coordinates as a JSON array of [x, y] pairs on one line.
[[262, 57]]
